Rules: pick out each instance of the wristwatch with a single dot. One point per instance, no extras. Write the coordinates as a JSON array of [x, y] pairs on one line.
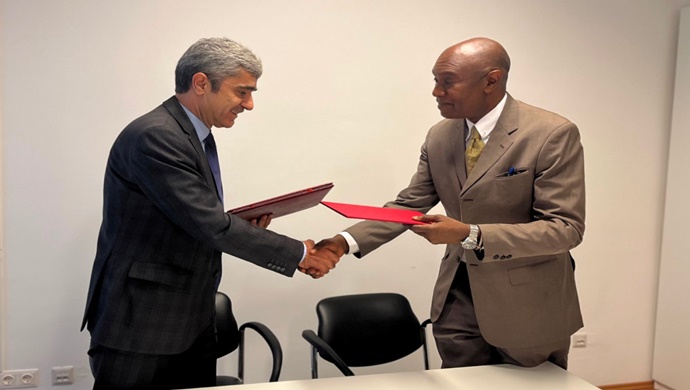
[[471, 242]]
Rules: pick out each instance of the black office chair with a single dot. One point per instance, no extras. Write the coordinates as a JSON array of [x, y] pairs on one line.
[[365, 330], [230, 337]]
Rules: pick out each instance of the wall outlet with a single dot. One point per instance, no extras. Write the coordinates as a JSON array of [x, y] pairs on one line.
[[19, 379], [63, 375], [580, 340]]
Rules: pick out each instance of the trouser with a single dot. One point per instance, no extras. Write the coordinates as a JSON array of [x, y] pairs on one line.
[[195, 367], [460, 343]]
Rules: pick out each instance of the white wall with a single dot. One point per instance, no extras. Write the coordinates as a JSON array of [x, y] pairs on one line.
[[3, 282], [672, 341], [346, 97]]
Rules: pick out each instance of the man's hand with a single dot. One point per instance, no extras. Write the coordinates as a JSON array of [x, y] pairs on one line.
[[337, 244], [317, 262], [262, 221], [442, 229]]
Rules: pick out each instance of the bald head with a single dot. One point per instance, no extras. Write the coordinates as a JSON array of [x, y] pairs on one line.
[[471, 78], [479, 55]]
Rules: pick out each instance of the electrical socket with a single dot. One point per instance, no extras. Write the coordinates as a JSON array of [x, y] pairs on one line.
[[19, 379], [63, 375], [580, 340]]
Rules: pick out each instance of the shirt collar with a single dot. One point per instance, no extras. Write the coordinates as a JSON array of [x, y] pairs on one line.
[[201, 130], [488, 121]]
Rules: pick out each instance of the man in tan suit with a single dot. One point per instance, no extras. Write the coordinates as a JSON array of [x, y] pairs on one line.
[[505, 291]]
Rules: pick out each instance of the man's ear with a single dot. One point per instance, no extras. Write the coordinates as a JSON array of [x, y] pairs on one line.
[[493, 79], [200, 83]]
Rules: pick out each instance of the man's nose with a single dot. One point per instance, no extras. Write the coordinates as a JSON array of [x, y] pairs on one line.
[[248, 103], [438, 91]]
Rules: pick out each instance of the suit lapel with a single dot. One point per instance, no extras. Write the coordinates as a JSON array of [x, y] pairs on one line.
[[499, 142], [175, 108], [457, 146]]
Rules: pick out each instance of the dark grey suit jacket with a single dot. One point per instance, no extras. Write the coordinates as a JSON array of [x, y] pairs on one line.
[[159, 247], [523, 286]]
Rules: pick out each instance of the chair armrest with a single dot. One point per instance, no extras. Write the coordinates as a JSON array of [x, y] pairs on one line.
[[326, 351], [273, 344]]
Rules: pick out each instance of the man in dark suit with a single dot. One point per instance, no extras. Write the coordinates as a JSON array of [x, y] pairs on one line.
[[150, 306], [510, 177]]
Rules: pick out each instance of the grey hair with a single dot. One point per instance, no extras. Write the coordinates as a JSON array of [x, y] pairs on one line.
[[218, 59]]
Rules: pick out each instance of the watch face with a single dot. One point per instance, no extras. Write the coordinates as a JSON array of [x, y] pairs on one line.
[[469, 244]]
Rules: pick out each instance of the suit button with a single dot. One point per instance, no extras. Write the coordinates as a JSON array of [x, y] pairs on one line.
[[269, 265], [496, 257], [503, 257], [509, 257]]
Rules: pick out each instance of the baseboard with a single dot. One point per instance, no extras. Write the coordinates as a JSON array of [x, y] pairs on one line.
[[630, 386]]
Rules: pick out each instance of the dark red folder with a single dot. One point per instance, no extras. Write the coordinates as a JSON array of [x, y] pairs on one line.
[[385, 214], [284, 204]]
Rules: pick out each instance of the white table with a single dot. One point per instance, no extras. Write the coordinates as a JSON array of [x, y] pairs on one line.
[[499, 377]]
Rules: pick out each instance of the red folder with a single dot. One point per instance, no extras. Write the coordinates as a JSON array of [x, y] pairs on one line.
[[385, 214], [284, 204]]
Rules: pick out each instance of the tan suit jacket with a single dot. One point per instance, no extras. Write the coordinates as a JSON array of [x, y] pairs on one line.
[[523, 283]]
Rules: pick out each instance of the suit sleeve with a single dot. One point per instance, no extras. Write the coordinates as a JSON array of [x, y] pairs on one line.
[[420, 195], [167, 168]]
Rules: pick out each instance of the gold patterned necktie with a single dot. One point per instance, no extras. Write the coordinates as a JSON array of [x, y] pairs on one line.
[[474, 148]]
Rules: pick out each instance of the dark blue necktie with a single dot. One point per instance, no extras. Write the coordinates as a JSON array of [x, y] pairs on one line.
[[212, 156]]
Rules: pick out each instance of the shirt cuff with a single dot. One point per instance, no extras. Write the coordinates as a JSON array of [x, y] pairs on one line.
[[354, 248]]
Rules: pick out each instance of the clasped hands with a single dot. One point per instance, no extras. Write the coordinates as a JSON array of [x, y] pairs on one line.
[[322, 257]]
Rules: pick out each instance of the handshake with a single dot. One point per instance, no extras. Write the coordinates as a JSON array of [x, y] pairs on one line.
[[322, 257]]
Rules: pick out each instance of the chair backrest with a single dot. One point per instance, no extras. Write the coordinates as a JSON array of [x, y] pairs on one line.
[[369, 329], [227, 331], [229, 337]]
